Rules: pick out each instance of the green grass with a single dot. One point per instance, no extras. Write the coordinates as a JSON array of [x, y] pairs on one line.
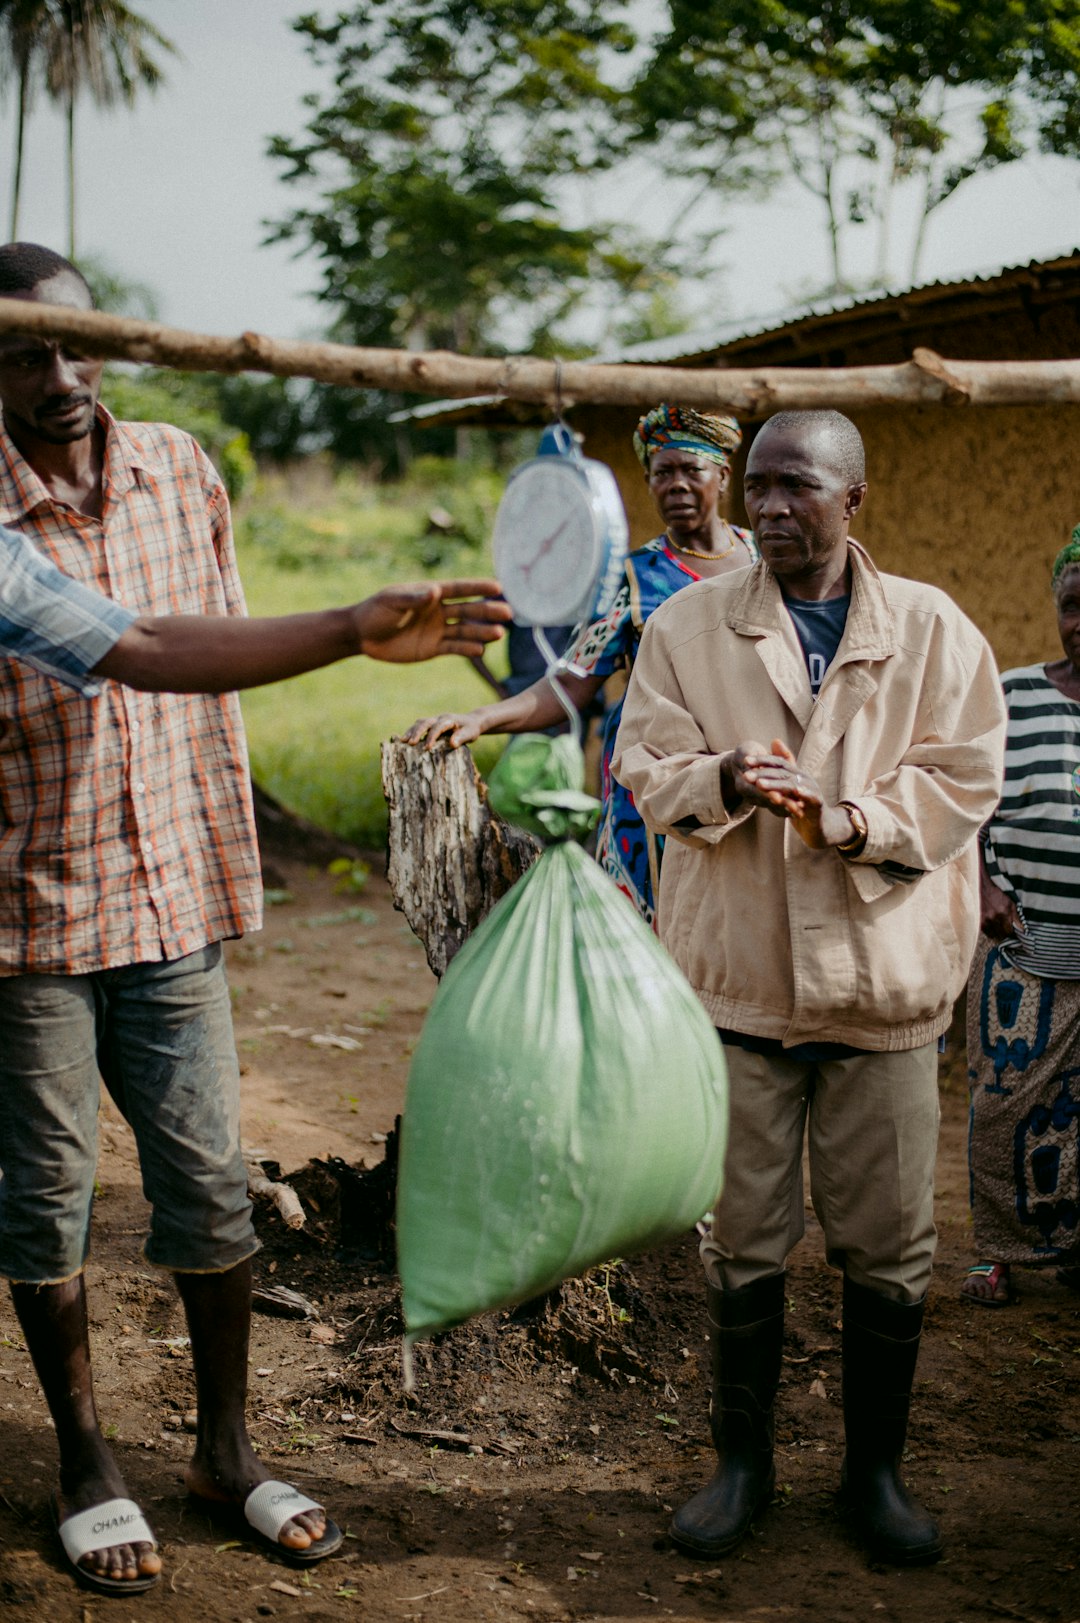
[[315, 740]]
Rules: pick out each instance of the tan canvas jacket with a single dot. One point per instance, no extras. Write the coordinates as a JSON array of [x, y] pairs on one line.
[[776, 939]]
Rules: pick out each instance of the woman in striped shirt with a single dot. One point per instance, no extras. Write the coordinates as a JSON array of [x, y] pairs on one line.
[[1024, 992]]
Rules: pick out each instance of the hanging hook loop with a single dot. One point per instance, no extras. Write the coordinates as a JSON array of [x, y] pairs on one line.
[[558, 389]]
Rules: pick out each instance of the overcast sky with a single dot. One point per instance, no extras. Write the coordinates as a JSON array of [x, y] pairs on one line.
[[174, 193]]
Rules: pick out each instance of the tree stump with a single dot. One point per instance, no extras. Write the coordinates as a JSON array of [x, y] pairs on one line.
[[450, 856]]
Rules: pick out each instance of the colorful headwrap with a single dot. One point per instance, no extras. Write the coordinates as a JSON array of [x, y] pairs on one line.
[[1067, 558], [679, 428]]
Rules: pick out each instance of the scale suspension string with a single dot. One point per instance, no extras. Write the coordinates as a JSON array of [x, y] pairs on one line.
[[558, 390], [556, 667]]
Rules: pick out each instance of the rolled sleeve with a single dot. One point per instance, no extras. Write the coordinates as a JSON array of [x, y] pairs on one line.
[[57, 625], [870, 882], [676, 794]]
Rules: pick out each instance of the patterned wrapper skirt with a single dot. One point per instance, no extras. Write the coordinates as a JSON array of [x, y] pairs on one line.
[[1024, 1149]]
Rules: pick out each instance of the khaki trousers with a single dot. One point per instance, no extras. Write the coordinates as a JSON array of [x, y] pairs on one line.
[[872, 1125]]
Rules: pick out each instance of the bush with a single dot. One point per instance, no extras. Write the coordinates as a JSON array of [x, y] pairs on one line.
[[462, 499], [315, 741]]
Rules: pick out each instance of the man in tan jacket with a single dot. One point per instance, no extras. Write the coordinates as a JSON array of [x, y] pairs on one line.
[[822, 744]]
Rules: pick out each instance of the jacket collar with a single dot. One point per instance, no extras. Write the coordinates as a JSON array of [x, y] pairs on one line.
[[126, 455], [757, 609]]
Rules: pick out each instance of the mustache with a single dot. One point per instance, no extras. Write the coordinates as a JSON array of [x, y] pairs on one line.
[[62, 402]]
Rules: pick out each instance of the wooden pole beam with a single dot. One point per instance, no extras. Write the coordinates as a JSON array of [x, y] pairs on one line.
[[925, 380]]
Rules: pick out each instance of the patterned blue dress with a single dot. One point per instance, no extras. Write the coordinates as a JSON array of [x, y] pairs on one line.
[[653, 574]]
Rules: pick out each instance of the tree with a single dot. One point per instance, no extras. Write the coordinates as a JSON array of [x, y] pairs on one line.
[[854, 99], [23, 26], [100, 47], [104, 48], [435, 166], [116, 293]]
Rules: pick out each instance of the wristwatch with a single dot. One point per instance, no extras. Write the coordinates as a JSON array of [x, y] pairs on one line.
[[852, 847]]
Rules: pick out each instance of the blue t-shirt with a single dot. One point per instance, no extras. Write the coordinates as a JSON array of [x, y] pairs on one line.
[[820, 626]]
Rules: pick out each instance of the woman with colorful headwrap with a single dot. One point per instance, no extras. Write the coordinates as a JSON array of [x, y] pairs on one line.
[[1024, 992], [685, 455]]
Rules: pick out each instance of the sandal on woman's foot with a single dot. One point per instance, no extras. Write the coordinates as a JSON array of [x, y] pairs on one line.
[[987, 1285]]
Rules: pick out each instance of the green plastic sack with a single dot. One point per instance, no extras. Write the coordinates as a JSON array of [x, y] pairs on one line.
[[567, 1101], [537, 784]]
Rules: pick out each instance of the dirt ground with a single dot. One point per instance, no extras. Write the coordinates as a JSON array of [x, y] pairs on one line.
[[534, 1473]]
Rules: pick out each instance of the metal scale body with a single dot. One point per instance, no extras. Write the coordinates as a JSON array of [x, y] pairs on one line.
[[560, 545]]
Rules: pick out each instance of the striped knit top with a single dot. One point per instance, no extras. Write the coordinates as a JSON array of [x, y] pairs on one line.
[[1032, 844]]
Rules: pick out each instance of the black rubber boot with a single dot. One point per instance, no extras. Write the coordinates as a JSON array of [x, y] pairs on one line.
[[747, 1333], [881, 1347]]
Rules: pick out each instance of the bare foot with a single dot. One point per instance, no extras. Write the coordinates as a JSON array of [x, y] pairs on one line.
[[988, 1284]]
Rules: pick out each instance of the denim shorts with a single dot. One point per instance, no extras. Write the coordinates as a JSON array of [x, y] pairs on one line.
[[160, 1036]]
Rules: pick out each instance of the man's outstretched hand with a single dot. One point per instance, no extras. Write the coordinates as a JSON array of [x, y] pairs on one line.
[[404, 624]]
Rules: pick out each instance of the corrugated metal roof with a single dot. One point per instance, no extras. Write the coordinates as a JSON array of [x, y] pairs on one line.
[[689, 346], [436, 408], [703, 340], [700, 345]]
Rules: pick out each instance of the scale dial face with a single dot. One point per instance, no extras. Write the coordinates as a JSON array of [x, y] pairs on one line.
[[547, 543]]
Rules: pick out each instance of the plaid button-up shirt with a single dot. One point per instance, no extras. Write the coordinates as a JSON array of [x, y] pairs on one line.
[[126, 828]]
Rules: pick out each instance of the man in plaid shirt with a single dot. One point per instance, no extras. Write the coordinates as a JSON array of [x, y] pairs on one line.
[[127, 855]]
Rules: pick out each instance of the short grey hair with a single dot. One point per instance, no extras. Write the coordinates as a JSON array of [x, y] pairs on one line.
[[844, 438]]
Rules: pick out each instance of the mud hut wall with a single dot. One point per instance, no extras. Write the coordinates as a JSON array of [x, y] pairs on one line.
[[976, 501]]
